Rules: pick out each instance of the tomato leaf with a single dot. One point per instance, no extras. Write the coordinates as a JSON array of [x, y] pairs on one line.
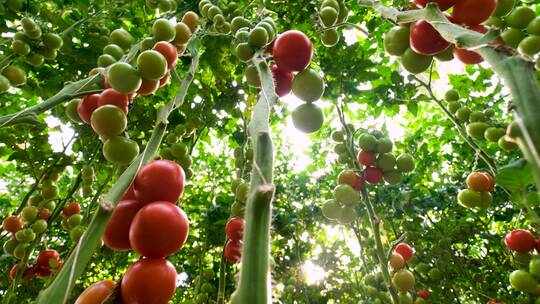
[[516, 176]]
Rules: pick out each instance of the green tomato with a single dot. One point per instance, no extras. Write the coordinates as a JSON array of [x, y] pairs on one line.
[[308, 118], [331, 209], [74, 220], [451, 95], [20, 251], [15, 74], [405, 163], [493, 134], [330, 3], [415, 63], [476, 130], [163, 30], [386, 162], [258, 37], [345, 194], [463, 113], [29, 214], [252, 76], [346, 215], [396, 41], [179, 150], [328, 16], [35, 59], [523, 281], [183, 33], [4, 84], [108, 121], [393, 177], [404, 280], [529, 46], [237, 210], [152, 65], [504, 7], [242, 192], [534, 266], [71, 110], [244, 52], [520, 17], [534, 27], [20, 47], [10, 245], [76, 233], [384, 145], [39, 226], [506, 145], [330, 37], [446, 55], [469, 198], [477, 116], [28, 24], [238, 23], [367, 142], [113, 50], [486, 199], [405, 298], [105, 60], [435, 274], [148, 43], [53, 41], [120, 150], [124, 78], [121, 38], [308, 85]]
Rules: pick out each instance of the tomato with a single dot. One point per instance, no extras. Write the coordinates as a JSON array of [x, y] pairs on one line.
[[15, 74], [183, 33], [163, 30], [120, 150], [108, 121], [396, 41], [124, 78], [235, 228], [96, 293], [308, 117], [44, 214], [282, 80], [12, 224], [473, 12], [443, 4], [114, 50], [151, 65], [415, 63], [405, 163], [149, 281], [330, 37], [520, 241], [71, 209], [367, 142], [168, 51], [373, 175], [116, 234], [480, 182], [191, 19], [470, 57], [386, 162], [405, 250], [292, 51], [164, 80], [129, 194], [113, 97], [424, 294], [158, 230], [105, 60], [160, 180], [331, 209], [87, 106], [351, 178], [121, 38], [425, 40], [523, 281], [308, 85], [258, 37], [27, 275], [4, 84], [396, 261], [529, 46], [403, 280], [504, 7], [233, 251], [48, 260], [520, 17], [148, 87]]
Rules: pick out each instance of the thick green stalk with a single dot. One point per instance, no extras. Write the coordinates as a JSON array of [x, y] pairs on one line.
[[60, 288], [254, 286]]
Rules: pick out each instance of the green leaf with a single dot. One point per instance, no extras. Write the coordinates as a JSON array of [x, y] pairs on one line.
[[516, 176]]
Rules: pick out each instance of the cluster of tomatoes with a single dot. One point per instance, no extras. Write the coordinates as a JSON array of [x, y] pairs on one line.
[[163, 6], [346, 198], [148, 221], [220, 20], [34, 47], [178, 150], [477, 195], [402, 278], [72, 221], [521, 243], [331, 13], [47, 262], [235, 232], [480, 124]]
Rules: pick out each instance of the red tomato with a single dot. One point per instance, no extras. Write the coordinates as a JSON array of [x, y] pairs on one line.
[[373, 175], [424, 294], [426, 40], [96, 293], [358, 183], [405, 250], [481, 182], [158, 230], [116, 235], [520, 241], [443, 4], [148, 281], [235, 229], [292, 51], [113, 97], [44, 214], [168, 51], [160, 180], [282, 80], [470, 57], [129, 194], [12, 224], [233, 251], [27, 275], [48, 260], [473, 12], [148, 87], [71, 209], [165, 79], [366, 158], [538, 245], [87, 106]]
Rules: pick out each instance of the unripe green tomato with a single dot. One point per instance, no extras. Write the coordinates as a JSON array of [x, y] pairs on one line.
[[269, 30], [331, 209], [404, 280], [476, 130], [477, 116], [346, 215], [330, 3], [530, 46], [34, 35], [71, 110], [493, 134], [340, 148], [237, 210], [25, 235], [20, 47], [244, 52], [15, 74], [396, 41], [328, 16], [446, 55], [367, 142], [185, 161], [520, 17], [469, 198], [384, 145], [330, 37], [489, 113], [534, 27], [35, 59], [242, 192], [208, 274], [435, 274], [120, 150], [121, 38], [343, 12], [74, 220], [238, 23], [4, 84], [252, 76], [76, 233], [506, 145], [166, 153], [50, 205], [405, 298], [10, 245], [451, 95], [486, 199], [523, 281], [415, 63], [308, 117], [108, 121], [393, 177], [504, 7], [495, 22], [345, 194], [124, 78], [105, 60], [308, 85], [20, 251], [151, 65], [386, 162], [29, 214], [405, 163], [179, 150], [53, 41], [183, 33], [463, 114], [39, 226], [114, 50]]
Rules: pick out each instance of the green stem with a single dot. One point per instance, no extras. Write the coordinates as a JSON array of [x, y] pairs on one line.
[[254, 286], [222, 277], [75, 264]]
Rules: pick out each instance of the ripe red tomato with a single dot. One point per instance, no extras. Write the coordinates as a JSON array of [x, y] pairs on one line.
[[425, 40], [12, 224], [282, 80], [424, 294], [480, 182], [87, 106], [148, 87], [48, 260], [116, 235], [113, 97], [405, 250], [27, 275], [366, 158], [235, 228], [129, 194], [149, 281], [358, 183], [165, 79], [160, 180], [233, 251], [71, 209], [538, 245], [96, 292], [292, 51], [168, 51], [473, 12], [44, 214], [373, 175], [443, 4], [520, 241], [470, 57], [158, 230]]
